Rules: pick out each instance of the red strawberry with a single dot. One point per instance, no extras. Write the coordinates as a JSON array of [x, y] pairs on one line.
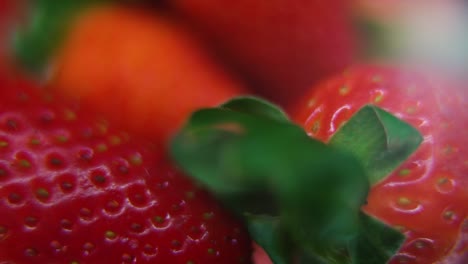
[[426, 197], [284, 46], [74, 190]]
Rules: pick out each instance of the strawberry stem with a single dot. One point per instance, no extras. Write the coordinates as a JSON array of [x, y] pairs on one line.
[[379, 139], [300, 198]]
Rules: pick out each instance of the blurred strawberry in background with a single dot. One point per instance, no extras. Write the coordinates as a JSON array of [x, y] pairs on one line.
[[140, 69], [281, 46]]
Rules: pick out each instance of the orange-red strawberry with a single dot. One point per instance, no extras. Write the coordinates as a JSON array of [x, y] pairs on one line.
[[426, 197], [75, 190], [139, 68]]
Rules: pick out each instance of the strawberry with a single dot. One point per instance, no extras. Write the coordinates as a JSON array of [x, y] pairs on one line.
[[282, 46], [139, 68], [301, 199], [426, 196], [75, 190]]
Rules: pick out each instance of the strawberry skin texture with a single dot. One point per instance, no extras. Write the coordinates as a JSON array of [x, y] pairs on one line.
[[426, 197], [75, 190], [140, 69], [282, 46]]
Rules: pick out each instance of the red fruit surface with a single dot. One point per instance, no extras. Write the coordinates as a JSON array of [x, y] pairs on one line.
[[283, 46], [75, 190], [427, 196], [140, 69]]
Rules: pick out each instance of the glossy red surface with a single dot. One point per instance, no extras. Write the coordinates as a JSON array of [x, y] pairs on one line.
[[426, 197], [75, 190]]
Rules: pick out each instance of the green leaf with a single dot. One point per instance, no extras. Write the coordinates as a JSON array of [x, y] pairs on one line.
[[35, 42], [215, 143], [256, 106], [320, 203], [266, 231], [287, 186], [380, 140], [376, 243], [257, 165]]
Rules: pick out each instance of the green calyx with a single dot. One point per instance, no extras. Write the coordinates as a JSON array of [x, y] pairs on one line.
[[301, 199], [35, 42], [380, 140]]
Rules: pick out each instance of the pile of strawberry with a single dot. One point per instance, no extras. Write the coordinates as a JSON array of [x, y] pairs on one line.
[[135, 132]]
